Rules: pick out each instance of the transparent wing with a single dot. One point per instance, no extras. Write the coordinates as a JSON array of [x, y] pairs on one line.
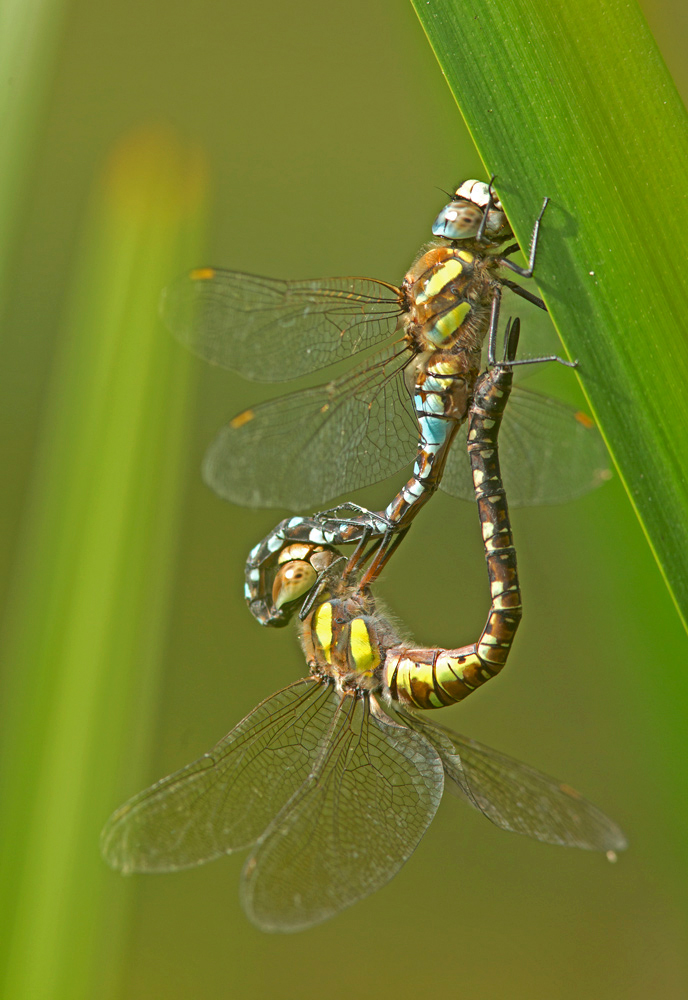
[[226, 799], [349, 828], [271, 330], [518, 798], [308, 447], [549, 453]]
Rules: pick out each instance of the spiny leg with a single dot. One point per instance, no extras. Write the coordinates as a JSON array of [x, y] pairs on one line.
[[527, 272]]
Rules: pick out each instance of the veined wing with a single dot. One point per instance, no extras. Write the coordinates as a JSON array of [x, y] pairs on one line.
[[303, 449], [518, 798], [348, 829], [224, 800], [549, 453], [271, 330]]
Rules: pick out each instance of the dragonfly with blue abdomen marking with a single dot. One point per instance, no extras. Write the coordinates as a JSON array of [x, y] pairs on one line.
[[332, 782], [308, 447]]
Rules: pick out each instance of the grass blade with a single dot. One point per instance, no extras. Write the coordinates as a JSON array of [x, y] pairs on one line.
[[574, 101], [85, 626], [29, 32]]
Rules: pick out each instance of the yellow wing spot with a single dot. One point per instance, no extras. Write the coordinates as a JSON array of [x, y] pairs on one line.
[[203, 274], [241, 419], [584, 419]]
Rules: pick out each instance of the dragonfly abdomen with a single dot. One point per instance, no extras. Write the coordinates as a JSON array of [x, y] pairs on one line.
[[432, 678], [441, 399]]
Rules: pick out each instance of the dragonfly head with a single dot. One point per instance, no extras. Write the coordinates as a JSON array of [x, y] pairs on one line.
[[461, 219]]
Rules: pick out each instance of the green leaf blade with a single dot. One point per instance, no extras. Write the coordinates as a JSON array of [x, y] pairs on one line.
[[574, 101]]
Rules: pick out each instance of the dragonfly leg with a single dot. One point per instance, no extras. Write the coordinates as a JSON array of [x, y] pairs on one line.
[[329, 512], [373, 521], [511, 362], [527, 272], [524, 293], [385, 550], [480, 235], [494, 326]]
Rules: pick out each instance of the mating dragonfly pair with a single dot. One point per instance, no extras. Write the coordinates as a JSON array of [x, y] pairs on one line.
[[333, 780]]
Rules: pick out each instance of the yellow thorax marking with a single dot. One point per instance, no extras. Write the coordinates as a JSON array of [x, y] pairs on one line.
[[365, 657], [448, 325], [322, 624], [447, 272], [440, 368]]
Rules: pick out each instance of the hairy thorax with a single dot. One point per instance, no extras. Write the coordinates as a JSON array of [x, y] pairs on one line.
[[449, 292]]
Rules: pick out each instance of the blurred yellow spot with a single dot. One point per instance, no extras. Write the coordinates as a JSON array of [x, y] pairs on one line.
[[151, 174], [241, 419], [585, 420], [202, 274]]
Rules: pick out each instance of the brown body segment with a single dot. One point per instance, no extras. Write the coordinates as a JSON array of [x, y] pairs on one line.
[[432, 678]]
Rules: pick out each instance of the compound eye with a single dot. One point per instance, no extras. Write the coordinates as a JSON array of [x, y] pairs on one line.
[[459, 220], [292, 580]]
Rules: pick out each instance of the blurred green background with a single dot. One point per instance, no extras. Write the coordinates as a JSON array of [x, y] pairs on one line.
[[292, 140]]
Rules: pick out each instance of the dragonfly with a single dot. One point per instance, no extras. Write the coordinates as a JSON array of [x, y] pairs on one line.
[[406, 401], [331, 782]]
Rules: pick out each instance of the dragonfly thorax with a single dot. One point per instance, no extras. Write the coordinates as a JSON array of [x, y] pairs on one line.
[[449, 292], [346, 640]]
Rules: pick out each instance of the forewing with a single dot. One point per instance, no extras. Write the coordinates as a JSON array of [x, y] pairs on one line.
[[549, 453], [271, 330], [303, 449], [224, 800], [349, 828], [518, 798]]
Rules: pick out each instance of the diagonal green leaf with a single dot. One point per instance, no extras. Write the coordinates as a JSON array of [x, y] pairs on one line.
[[574, 101]]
